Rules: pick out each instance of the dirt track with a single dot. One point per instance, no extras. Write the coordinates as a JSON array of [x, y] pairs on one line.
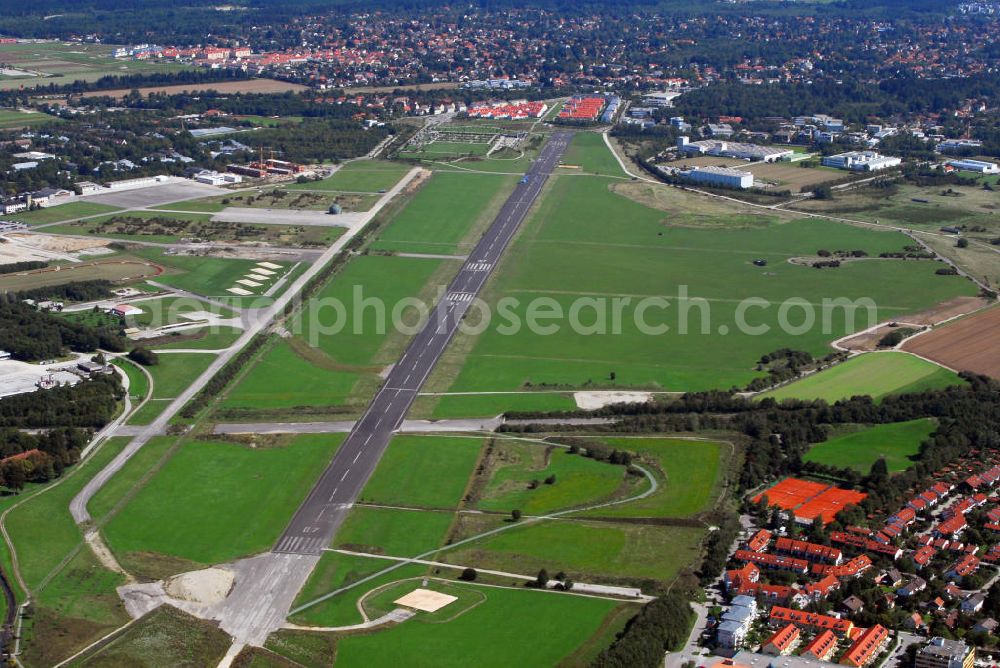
[[969, 344]]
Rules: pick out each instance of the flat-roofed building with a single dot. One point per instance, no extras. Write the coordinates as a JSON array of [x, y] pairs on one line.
[[732, 149], [861, 161], [943, 653], [981, 166], [719, 176]]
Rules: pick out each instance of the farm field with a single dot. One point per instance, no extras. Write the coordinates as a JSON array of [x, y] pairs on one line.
[[565, 257], [119, 270], [55, 214], [11, 119], [793, 176], [423, 471], [500, 622], [875, 374], [966, 345], [216, 501], [63, 63], [364, 176], [248, 86], [441, 215], [897, 443]]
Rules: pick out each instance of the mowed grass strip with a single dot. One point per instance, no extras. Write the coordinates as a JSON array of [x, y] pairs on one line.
[[359, 176], [690, 473], [589, 152], [443, 212], [397, 533], [501, 624], [874, 374], [68, 211], [585, 550], [427, 471], [518, 471], [898, 443], [171, 376], [216, 501]]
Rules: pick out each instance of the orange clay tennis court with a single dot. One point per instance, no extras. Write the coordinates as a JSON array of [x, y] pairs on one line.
[[808, 501]]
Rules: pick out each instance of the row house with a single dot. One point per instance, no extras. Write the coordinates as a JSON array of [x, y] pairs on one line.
[[774, 561], [809, 551]]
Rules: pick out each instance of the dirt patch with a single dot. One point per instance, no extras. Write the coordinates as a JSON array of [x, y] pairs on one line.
[[249, 86], [105, 556], [594, 400], [968, 344], [207, 586], [946, 310], [59, 244]]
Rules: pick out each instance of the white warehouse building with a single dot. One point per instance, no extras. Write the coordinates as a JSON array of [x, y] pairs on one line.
[[861, 161], [730, 149], [980, 166], [719, 176]]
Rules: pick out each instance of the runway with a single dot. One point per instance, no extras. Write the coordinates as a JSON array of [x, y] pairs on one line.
[[321, 514]]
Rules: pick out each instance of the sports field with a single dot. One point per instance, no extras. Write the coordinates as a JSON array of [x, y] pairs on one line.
[[501, 623], [114, 270], [443, 212], [368, 176], [588, 249], [216, 501], [859, 448], [874, 374]]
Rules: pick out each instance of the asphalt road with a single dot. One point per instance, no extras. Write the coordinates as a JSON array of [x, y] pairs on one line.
[[321, 514]]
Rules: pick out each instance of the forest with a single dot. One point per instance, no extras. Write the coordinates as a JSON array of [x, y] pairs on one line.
[[38, 457], [32, 336], [90, 404]]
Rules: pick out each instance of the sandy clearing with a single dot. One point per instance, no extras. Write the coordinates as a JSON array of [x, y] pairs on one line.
[[60, 244], [425, 600], [599, 399], [207, 586]]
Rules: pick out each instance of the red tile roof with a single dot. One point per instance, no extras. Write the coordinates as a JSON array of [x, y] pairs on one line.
[[866, 647], [783, 639], [822, 646]]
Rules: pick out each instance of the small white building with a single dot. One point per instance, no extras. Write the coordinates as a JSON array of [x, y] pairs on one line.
[[217, 179], [719, 176], [980, 166], [861, 161], [88, 187]]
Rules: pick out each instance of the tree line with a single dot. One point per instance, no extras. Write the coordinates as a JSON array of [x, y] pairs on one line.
[[89, 404], [31, 336], [38, 457]]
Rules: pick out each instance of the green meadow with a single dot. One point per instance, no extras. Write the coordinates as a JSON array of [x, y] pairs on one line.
[[423, 471], [368, 176], [898, 443], [875, 374]]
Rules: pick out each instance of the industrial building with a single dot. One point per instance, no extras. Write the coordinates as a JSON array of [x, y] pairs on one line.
[[217, 179], [729, 149], [957, 145], [719, 176], [861, 161], [942, 653], [981, 166]]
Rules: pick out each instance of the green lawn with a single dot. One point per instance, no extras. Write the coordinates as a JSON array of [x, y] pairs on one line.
[[171, 376], [359, 176], [494, 632], [898, 443], [589, 152], [208, 338], [875, 374], [144, 462], [589, 551], [687, 473], [445, 149], [215, 501], [397, 533], [579, 480], [462, 405], [427, 471], [138, 384], [68, 211], [441, 214], [587, 247], [284, 379]]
